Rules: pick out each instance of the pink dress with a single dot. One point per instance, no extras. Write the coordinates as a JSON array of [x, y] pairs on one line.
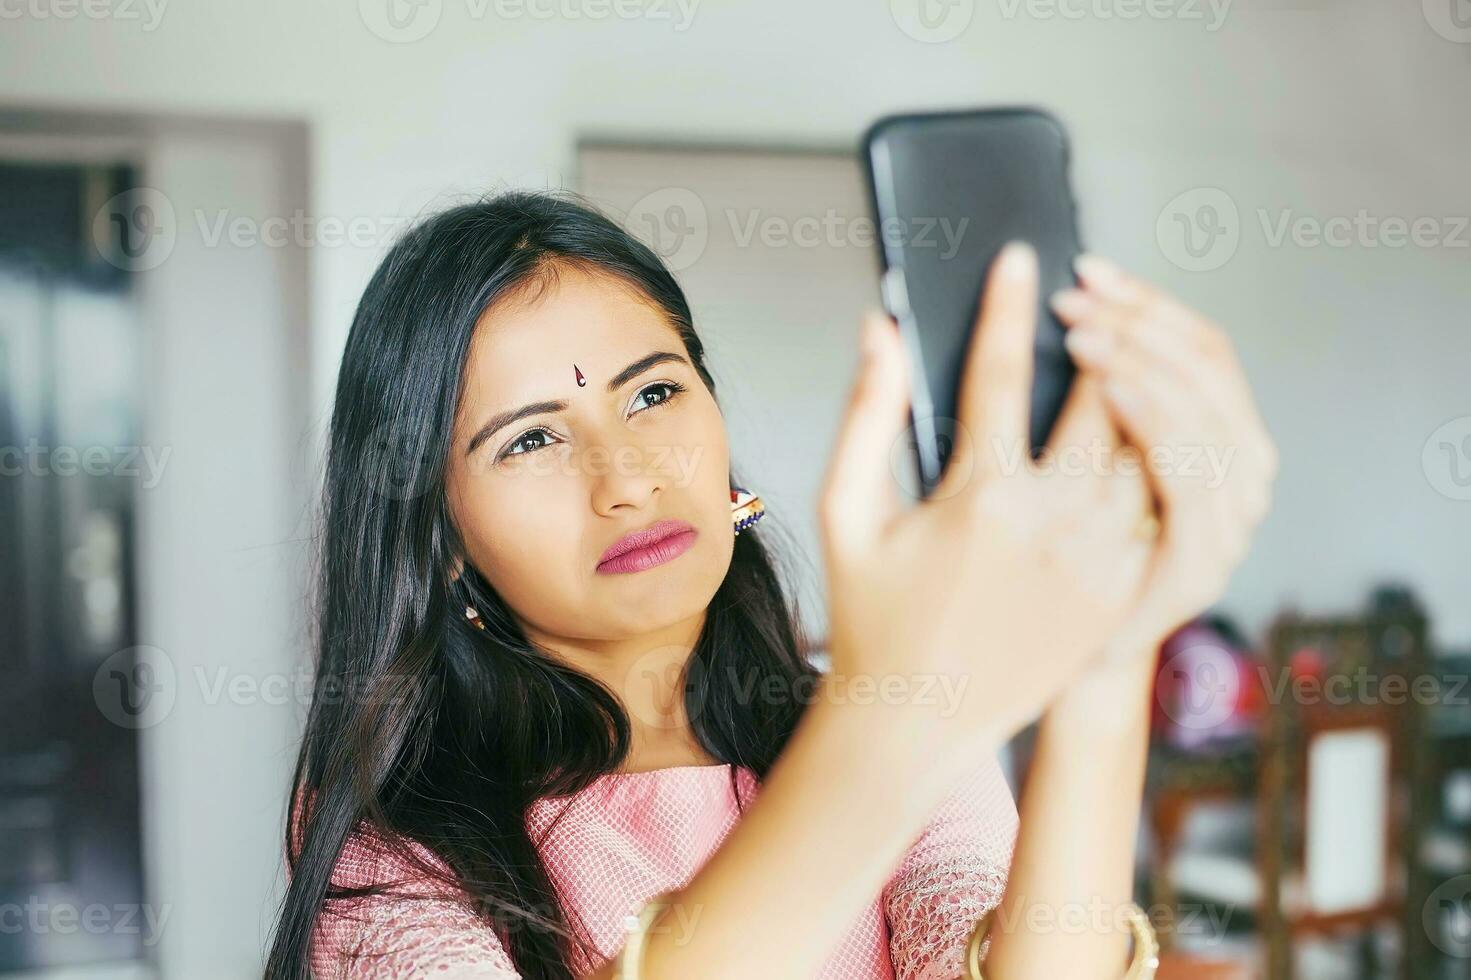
[[630, 836]]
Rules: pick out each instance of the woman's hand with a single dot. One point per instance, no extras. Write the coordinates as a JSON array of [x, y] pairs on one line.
[[1173, 383], [1012, 576]]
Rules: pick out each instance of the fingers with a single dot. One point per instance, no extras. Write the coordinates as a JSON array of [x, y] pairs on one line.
[[1099, 323], [1117, 320], [1162, 416], [1114, 308], [1171, 380], [859, 496], [1203, 534], [1084, 419], [1086, 432], [1103, 277], [994, 404], [1111, 523]]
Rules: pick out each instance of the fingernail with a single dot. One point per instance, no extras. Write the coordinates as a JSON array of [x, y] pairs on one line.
[[1072, 304], [1089, 345], [1094, 267], [1016, 260]]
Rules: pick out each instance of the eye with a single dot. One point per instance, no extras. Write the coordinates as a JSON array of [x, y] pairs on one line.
[[656, 394], [532, 440], [527, 442]]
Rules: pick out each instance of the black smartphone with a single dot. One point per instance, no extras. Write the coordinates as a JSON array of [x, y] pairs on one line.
[[948, 190]]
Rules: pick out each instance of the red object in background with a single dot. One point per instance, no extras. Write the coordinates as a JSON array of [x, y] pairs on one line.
[[1305, 662], [1207, 687]]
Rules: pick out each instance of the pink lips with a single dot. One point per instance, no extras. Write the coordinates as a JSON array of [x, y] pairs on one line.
[[659, 542]]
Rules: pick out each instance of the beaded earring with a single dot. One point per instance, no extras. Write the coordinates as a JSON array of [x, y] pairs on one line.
[[745, 509]]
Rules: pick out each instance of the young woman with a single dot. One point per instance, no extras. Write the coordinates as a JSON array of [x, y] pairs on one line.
[[555, 683]]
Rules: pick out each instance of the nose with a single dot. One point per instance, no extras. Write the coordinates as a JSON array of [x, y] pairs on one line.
[[623, 475]]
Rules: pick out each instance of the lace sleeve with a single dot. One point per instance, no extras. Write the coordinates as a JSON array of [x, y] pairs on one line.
[[417, 930], [953, 874]]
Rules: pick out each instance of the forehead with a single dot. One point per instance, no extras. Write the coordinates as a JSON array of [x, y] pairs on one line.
[[524, 349]]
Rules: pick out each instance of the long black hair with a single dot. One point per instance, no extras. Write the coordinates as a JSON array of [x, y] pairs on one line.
[[424, 729]]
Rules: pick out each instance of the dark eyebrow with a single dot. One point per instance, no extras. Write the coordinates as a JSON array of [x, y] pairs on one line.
[[640, 366], [498, 422]]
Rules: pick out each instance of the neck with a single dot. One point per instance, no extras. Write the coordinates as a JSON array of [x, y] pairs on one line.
[[646, 672]]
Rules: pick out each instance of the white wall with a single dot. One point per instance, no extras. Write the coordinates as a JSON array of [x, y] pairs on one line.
[[223, 538]]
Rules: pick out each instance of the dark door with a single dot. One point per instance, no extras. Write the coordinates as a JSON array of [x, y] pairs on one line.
[[71, 884]]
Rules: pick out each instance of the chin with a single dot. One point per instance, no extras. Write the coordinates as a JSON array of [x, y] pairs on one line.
[[668, 593]]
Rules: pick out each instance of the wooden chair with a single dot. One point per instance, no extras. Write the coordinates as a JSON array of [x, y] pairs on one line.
[[1444, 852], [1182, 966], [1338, 793]]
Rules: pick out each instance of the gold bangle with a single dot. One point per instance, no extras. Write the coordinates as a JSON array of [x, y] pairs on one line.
[[630, 960], [1142, 965], [978, 934]]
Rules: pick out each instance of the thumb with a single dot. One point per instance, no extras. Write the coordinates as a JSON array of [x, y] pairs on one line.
[[860, 495]]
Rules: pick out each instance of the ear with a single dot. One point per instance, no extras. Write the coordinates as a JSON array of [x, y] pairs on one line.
[[456, 567]]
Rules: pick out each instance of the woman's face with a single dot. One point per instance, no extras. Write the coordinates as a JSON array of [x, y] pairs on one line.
[[539, 497]]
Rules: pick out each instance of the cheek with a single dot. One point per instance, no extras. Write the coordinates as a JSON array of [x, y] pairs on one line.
[[705, 468], [702, 457], [520, 537]]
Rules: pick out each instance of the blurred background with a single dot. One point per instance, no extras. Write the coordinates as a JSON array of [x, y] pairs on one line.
[[193, 195]]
